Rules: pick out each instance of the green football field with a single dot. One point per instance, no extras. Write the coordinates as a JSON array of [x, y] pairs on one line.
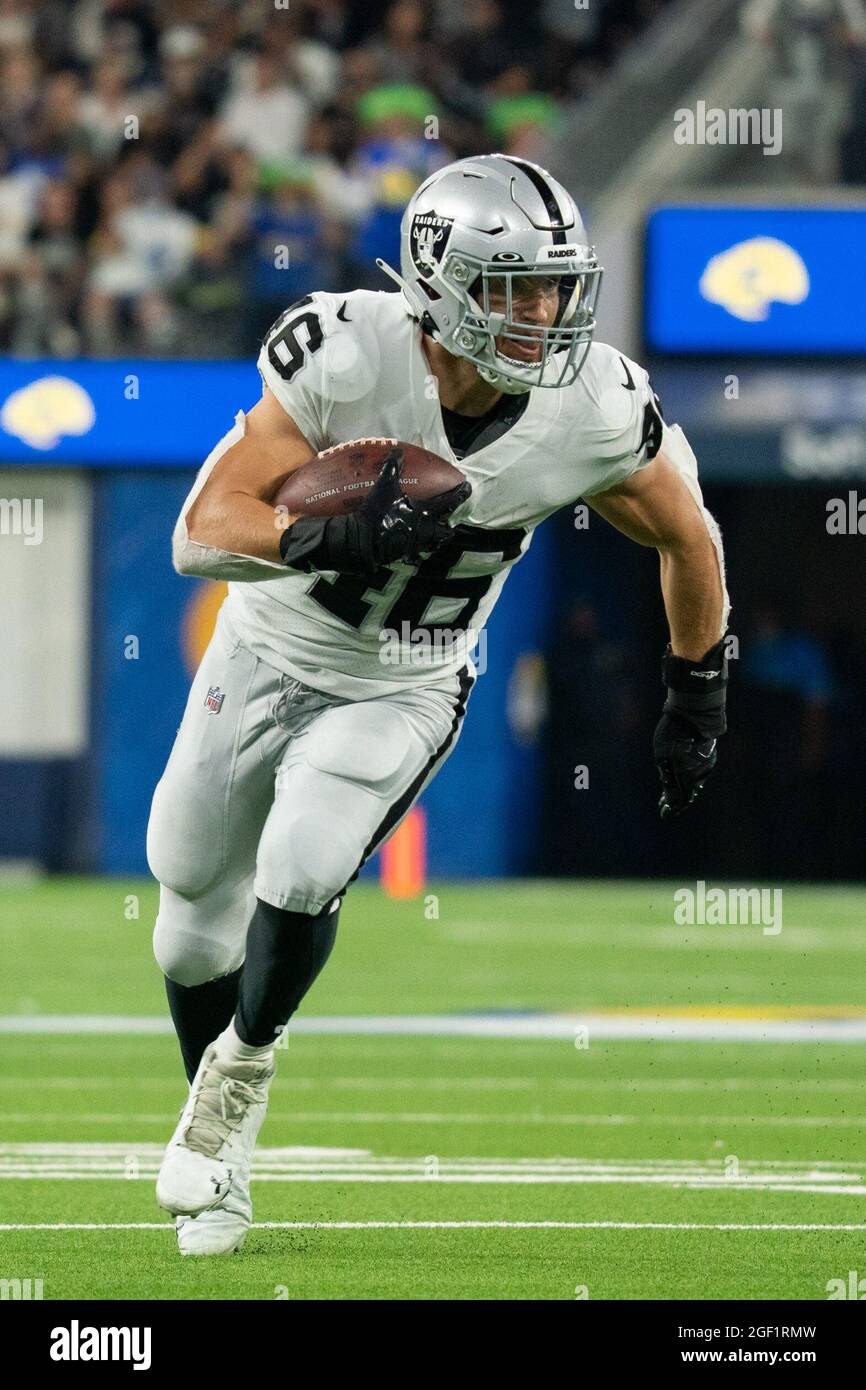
[[492, 1093]]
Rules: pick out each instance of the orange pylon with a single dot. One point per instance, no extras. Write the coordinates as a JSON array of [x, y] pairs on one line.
[[404, 856]]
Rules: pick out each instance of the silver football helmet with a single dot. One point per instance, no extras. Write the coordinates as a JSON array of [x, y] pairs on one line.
[[482, 243]]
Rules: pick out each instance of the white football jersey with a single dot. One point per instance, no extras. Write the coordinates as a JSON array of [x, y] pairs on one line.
[[353, 367]]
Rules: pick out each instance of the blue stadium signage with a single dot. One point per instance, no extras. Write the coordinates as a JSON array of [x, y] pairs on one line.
[[762, 281], [119, 413]]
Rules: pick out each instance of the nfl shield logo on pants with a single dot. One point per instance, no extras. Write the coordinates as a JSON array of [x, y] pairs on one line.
[[214, 702]]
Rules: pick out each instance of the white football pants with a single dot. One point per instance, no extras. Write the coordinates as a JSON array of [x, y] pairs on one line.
[[277, 791]]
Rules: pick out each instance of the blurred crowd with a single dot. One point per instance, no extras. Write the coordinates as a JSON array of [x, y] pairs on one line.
[[174, 172]]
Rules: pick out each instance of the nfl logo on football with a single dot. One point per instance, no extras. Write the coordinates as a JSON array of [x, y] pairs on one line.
[[214, 702]]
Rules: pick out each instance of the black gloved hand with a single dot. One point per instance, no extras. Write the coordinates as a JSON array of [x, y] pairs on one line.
[[387, 527], [407, 530], [684, 743], [427, 524]]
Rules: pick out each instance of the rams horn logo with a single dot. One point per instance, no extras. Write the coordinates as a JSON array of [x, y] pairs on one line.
[[46, 410], [747, 278]]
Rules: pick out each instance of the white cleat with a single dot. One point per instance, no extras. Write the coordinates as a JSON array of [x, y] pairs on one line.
[[212, 1148], [220, 1231]]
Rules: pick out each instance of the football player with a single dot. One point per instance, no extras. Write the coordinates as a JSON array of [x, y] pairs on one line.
[[301, 750]]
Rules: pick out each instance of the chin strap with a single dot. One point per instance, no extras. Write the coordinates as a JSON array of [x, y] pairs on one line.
[[503, 383]]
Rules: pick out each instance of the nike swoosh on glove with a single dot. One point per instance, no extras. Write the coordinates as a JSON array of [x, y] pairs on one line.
[[684, 763]]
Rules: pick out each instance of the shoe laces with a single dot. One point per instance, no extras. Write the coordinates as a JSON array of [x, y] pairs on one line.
[[220, 1106]]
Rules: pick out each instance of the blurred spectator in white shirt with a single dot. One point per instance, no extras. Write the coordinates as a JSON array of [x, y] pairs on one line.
[[19, 192], [267, 117], [103, 111], [140, 249], [306, 64]]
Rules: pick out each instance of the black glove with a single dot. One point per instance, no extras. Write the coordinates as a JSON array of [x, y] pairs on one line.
[[684, 743], [387, 527], [426, 521]]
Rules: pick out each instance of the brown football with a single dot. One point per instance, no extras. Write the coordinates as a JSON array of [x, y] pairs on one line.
[[338, 480]]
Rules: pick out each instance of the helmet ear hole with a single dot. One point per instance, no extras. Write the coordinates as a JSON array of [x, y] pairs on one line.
[[429, 290]]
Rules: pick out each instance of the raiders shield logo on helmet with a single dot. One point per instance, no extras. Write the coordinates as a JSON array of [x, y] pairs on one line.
[[428, 238]]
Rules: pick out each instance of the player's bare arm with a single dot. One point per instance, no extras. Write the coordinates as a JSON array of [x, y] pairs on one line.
[[234, 510], [655, 508]]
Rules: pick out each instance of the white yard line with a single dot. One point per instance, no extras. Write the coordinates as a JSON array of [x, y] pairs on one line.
[[287, 1082], [482, 1180], [113, 1163], [547, 1026], [493, 1119], [449, 1226], [297, 1154]]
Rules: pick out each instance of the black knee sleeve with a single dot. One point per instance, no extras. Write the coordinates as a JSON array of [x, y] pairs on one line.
[[200, 1013]]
